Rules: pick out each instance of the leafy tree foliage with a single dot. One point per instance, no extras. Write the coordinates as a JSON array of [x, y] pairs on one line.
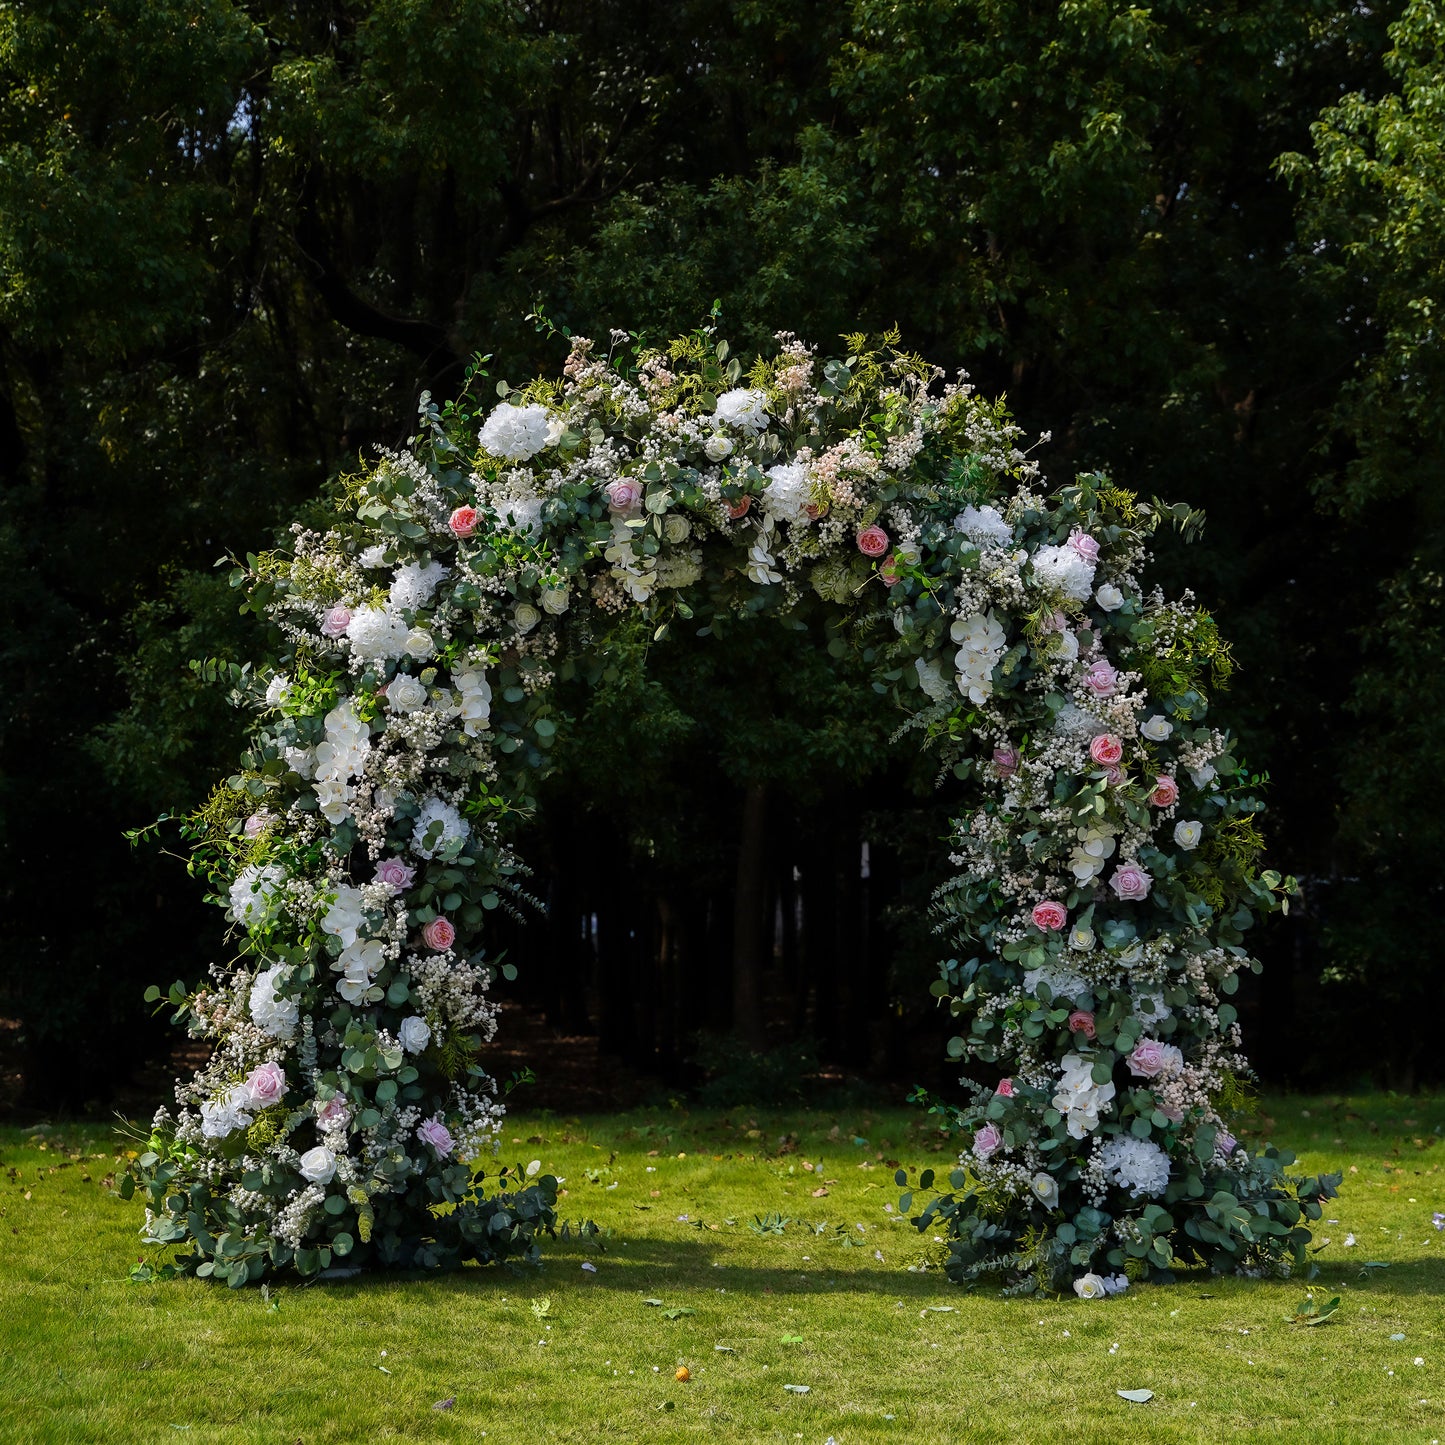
[[237, 239]]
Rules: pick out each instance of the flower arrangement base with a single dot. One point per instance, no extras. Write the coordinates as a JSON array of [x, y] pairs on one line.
[[1103, 873]]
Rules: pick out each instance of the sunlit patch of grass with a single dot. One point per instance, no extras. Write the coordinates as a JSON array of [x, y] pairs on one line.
[[776, 1255]]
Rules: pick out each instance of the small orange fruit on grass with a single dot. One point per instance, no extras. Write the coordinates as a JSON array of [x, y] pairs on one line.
[[683, 1373]]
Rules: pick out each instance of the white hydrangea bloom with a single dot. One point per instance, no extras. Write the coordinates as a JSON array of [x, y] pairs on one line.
[[1134, 1164], [932, 680], [220, 1117], [372, 557], [1061, 569], [742, 408], [1149, 1005], [475, 700], [413, 586], [522, 512], [271, 1013], [1078, 1097], [681, 569], [377, 634], [984, 526], [453, 827], [255, 893], [1062, 984], [515, 433], [787, 493], [983, 643]]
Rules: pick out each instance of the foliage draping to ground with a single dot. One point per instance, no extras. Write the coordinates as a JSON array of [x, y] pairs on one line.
[[744, 1248], [1199, 243]]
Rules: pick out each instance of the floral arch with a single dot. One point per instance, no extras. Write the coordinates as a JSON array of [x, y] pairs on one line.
[[1102, 879]]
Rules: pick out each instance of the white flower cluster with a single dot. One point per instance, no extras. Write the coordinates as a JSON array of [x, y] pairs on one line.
[[1137, 1165], [1078, 1097]]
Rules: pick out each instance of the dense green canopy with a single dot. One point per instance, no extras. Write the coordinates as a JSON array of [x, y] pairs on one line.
[[1199, 243]]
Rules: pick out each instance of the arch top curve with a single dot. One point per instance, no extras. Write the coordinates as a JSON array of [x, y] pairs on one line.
[[1103, 874]]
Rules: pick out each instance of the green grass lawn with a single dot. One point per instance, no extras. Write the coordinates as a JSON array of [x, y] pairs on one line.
[[845, 1301]]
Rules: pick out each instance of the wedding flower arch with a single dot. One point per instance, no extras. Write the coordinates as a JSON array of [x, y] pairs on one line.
[[1102, 878]]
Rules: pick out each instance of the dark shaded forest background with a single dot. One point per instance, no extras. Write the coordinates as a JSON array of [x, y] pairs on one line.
[[1199, 244]]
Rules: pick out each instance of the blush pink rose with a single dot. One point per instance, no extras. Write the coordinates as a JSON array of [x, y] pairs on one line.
[[814, 510], [1106, 749], [439, 934], [624, 498], [1165, 794], [265, 1085], [738, 508], [987, 1141], [463, 521], [255, 825], [872, 541], [1005, 1089], [1113, 775], [1081, 1021], [1148, 1059], [889, 571], [394, 873], [1130, 882], [1101, 679], [434, 1132], [336, 621], [333, 1114], [1049, 915], [1005, 761], [1084, 545], [1055, 622]]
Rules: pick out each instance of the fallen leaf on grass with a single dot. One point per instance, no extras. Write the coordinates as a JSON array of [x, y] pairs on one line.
[[1137, 1397], [383, 1369], [791, 1340], [940, 1309], [677, 1312], [653, 1302], [797, 1389], [725, 1349], [1311, 1312]]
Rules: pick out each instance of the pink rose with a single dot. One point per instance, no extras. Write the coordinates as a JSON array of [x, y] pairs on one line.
[[1148, 1059], [986, 1141], [1113, 775], [1130, 882], [814, 510], [1049, 915], [1165, 794], [1005, 1089], [889, 571], [624, 498], [1081, 1021], [1101, 679], [1055, 622], [1172, 1112], [463, 521], [1084, 545], [432, 1131], [1106, 749], [394, 873], [1005, 761], [873, 541], [336, 621], [439, 934], [265, 1085], [739, 508], [255, 825], [333, 1114]]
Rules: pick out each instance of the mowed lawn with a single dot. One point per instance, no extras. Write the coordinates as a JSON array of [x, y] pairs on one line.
[[757, 1251]]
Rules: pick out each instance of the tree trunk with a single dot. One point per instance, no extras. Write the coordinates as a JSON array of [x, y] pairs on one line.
[[751, 935]]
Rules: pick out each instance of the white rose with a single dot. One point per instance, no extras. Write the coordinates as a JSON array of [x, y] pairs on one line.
[[555, 600], [1187, 834], [1081, 938], [675, 528], [525, 617], [1109, 597], [414, 1034], [717, 447], [278, 690], [1068, 648], [1090, 1286], [405, 694], [319, 1165], [1046, 1190], [1202, 777], [420, 643], [1156, 728]]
